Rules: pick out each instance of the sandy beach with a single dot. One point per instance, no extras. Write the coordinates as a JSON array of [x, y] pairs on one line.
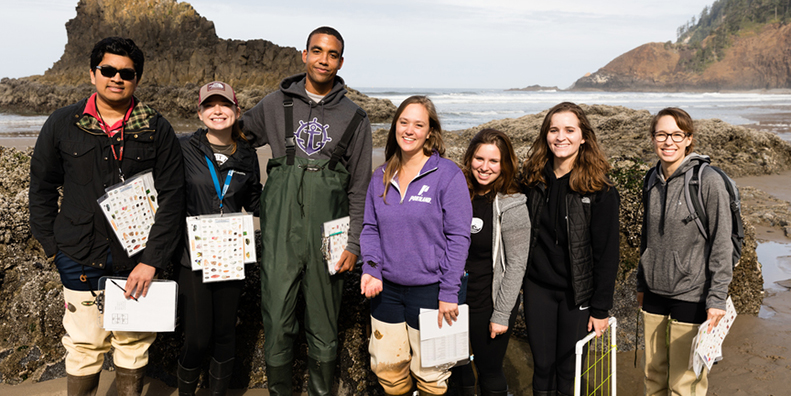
[[757, 359]]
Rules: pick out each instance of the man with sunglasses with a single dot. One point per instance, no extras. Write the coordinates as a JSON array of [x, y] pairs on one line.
[[83, 149]]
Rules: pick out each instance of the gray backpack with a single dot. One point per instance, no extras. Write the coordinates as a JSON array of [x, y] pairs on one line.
[[694, 199]]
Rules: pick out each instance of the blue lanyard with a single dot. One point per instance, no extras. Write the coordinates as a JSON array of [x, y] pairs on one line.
[[220, 194]]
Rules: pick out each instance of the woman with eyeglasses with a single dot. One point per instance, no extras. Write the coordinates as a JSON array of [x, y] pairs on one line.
[[682, 278], [570, 278], [222, 176]]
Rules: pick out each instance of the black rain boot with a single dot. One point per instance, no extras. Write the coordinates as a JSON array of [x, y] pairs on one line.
[[220, 376], [545, 393], [467, 391], [320, 377], [129, 382], [486, 392], [279, 379], [82, 385], [188, 380]]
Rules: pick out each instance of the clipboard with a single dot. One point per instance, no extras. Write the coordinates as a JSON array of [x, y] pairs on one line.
[[156, 312], [446, 347], [334, 238]]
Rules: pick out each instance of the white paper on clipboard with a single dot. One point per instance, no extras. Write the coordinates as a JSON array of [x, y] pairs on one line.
[[334, 238], [447, 345], [156, 312]]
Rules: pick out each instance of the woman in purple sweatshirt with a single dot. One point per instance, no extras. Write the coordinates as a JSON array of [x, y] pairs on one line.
[[414, 242]]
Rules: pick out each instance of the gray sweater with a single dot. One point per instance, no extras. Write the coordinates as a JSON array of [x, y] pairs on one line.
[[676, 260], [510, 246], [318, 129]]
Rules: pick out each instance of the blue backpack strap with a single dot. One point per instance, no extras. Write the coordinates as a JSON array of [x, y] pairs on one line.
[[291, 148], [694, 197]]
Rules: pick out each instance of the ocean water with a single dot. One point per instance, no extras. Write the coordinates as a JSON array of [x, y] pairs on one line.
[[465, 108]]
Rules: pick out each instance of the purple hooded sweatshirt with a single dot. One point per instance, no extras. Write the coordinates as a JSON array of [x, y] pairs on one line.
[[424, 237]]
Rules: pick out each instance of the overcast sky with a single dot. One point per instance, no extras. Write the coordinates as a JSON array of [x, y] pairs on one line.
[[404, 43]]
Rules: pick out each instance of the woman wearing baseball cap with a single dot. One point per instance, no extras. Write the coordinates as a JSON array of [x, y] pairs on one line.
[[215, 154]]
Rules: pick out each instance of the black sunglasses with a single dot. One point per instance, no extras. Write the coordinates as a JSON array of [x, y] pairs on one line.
[[109, 72]]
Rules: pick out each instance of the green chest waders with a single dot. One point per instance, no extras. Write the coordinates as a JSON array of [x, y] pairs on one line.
[[300, 194]]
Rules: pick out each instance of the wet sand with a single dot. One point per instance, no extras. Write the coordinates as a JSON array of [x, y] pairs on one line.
[[757, 359]]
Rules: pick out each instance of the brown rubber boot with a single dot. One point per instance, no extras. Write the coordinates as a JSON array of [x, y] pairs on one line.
[[129, 382], [82, 385]]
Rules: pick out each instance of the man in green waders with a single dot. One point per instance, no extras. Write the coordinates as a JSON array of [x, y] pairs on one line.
[[321, 166]]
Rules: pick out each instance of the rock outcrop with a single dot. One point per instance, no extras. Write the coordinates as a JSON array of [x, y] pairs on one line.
[[182, 53], [31, 294], [758, 59], [535, 88]]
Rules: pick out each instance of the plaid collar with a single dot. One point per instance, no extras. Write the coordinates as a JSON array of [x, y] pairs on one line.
[[139, 118]]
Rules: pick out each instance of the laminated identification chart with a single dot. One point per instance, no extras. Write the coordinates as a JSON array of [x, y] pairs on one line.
[[220, 245], [334, 237], [130, 208], [707, 347]]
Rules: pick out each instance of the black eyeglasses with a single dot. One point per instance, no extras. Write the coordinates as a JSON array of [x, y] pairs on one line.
[[677, 137], [110, 72]]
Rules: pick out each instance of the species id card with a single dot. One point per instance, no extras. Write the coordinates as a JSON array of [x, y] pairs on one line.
[[707, 347], [130, 208], [220, 245], [334, 237]]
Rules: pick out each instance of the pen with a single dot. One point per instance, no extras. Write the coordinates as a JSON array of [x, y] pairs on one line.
[[119, 286]]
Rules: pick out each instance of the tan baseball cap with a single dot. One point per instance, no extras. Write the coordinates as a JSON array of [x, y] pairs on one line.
[[217, 88]]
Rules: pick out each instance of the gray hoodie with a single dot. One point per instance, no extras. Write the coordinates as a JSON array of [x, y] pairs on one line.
[[510, 245], [676, 260], [318, 129]]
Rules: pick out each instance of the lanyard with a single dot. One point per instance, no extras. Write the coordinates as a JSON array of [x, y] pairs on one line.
[[220, 193], [106, 129]]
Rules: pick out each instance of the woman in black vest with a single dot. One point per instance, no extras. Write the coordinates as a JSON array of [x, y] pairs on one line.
[[570, 278]]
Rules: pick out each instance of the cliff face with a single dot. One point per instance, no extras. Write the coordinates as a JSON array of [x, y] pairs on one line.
[[756, 59], [182, 53], [180, 46]]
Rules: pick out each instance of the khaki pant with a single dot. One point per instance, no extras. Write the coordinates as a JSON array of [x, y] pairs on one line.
[[395, 351], [668, 345], [86, 341]]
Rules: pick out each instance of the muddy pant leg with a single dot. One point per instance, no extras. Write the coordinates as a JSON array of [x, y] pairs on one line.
[[131, 348], [390, 356], [85, 340], [431, 380]]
